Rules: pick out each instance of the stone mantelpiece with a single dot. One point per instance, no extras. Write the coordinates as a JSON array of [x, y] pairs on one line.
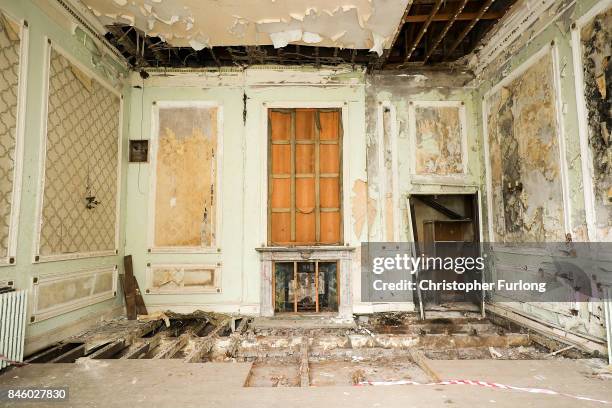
[[343, 255]]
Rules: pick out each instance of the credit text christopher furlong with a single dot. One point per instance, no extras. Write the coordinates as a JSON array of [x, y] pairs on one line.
[[460, 265]]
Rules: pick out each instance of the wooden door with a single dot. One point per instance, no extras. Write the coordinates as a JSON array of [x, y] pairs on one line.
[[305, 177]]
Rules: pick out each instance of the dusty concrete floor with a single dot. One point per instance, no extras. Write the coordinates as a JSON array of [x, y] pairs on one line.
[[216, 361], [173, 383]]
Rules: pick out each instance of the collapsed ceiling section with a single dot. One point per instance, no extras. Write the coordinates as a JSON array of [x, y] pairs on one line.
[[435, 31], [379, 33], [359, 24]]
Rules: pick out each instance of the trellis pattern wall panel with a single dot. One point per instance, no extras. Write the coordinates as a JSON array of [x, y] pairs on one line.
[[10, 43], [186, 177], [523, 145], [80, 172]]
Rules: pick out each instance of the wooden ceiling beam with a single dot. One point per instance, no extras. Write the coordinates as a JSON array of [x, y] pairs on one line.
[[479, 16], [423, 30], [492, 15], [444, 31]]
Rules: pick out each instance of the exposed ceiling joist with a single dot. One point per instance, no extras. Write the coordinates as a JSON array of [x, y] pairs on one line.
[[493, 15], [429, 32], [448, 25], [481, 13], [423, 30]]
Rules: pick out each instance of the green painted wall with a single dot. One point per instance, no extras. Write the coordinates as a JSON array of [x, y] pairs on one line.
[[41, 26], [553, 28], [243, 227]]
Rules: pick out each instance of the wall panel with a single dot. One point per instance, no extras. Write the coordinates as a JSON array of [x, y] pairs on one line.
[[79, 204], [524, 170], [11, 66], [186, 189]]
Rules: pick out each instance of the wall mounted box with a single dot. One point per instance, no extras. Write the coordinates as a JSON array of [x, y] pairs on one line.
[[139, 151]]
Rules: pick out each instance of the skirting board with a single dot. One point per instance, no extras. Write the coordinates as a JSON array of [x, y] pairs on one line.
[[40, 341], [230, 308], [548, 329], [366, 308]]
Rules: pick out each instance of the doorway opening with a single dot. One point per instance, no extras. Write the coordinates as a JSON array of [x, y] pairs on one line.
[[446, 226], [305, 287]]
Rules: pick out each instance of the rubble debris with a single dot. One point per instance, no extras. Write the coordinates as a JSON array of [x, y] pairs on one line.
[[358, 376]]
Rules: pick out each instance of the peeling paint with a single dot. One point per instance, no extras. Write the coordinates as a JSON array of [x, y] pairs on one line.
[[363, 208], [438, 141], [183, 278], [596, 38], [362, 24], [524, 158], [185, 210]]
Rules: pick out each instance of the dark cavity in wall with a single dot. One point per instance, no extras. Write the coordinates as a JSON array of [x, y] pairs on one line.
[[596, 38], [514, 207]]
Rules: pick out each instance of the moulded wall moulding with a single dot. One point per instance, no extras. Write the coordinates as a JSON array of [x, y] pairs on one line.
[[61, 332], [58, 293], [247, 309], [548, 329], [368, 308], [510, 27]]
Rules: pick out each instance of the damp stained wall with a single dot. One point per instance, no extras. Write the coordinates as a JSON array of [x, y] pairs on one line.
[[596, 40], [185, 183], [392, 177], [523, 149], [438, 145], [46, 20], [551, 29]]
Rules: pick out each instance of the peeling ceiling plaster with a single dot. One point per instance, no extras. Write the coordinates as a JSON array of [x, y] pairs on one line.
[[360, 24]]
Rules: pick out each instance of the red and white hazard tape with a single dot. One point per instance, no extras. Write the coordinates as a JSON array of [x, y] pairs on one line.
[[484, 384]]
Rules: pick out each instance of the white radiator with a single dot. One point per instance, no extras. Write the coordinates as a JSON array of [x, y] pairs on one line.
[[13, 307]]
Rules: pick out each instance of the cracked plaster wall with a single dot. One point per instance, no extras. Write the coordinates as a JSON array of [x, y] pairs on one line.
[[596, 40], [399, 89], [554, 26]]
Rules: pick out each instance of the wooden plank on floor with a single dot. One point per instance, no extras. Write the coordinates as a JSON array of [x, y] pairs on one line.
[[206, 344], [423, 362], [71, 355], [129, 291], [49, 354], [109, 350], [304, 365], [137, 350]]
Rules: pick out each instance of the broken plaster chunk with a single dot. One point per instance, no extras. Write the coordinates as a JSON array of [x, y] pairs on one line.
[[379, 42], [311, 38], [198, 42], [120, 2], [601, 85], [282, 38], [239, 27]]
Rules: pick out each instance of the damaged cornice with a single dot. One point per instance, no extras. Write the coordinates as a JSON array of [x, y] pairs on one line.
[[518, 20], [81, 16], [360, 24]]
